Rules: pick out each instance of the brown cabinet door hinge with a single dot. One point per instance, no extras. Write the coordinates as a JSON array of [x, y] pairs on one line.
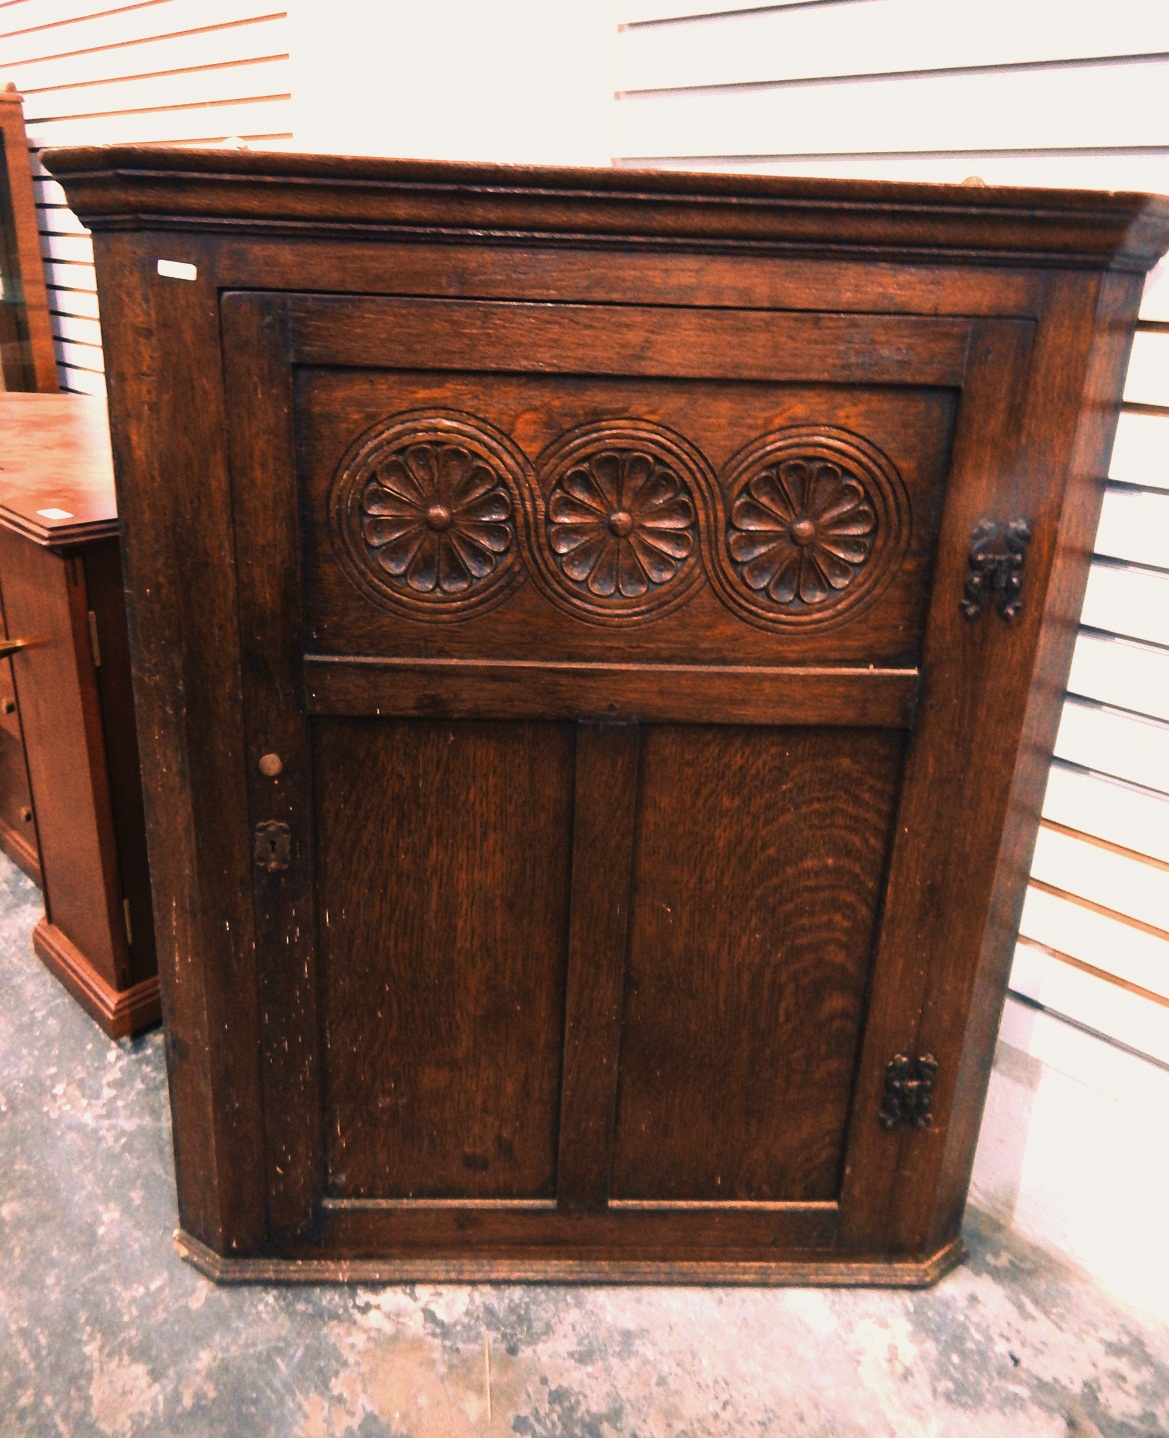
[[909, 1091]]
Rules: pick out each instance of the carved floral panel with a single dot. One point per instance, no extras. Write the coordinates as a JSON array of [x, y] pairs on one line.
[[440, 514], [817, 521], [424, 513], [620, 519]]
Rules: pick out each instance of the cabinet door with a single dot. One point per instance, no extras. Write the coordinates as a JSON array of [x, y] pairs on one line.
[[614, 663]]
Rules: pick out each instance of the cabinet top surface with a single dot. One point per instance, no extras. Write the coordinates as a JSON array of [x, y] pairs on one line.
[[130, 187], [56, 471]]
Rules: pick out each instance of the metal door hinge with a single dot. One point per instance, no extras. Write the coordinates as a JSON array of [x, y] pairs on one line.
[[995, 566], [273, 848], [909, 1091]]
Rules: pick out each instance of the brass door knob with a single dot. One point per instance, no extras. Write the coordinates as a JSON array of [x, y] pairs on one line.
[[9, 647]]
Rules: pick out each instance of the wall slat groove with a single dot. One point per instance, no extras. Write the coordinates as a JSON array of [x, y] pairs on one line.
[[892, 76]]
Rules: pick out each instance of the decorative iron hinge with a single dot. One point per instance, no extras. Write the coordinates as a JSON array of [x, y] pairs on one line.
[[909, 1091], [995, 566], [273, 848]]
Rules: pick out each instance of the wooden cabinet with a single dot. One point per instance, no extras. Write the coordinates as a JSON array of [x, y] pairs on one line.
[[598, 637], [68, 684], [18, 830]]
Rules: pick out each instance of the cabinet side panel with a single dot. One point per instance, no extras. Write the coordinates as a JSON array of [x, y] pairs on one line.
[[443, 882], [759, 863], [1070, 427], [164, 370]]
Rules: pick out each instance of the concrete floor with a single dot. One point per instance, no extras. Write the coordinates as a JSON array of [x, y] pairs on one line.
[[104, 1331]]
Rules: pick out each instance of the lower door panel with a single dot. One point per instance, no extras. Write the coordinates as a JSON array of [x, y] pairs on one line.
[[445, 871]]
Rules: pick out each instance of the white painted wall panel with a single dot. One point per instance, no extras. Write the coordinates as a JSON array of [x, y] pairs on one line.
[[78, 248], [1105, 104], [1064, 1156], [1134, 524], [1107, 1008], [71, 277], [1115, 742], [80, 356], [82, 381], [204, 124], [1141, 452], [865, 39], [1129, 601], [1148, 370], [1121, 672], [639, 11], [183, 71], [263, 79], [1136, 887], [74, 327], [1087, 169], [1133, 817], [192, 50], [73, 302], [1139, 958], [57, 220], [31, 31], [1155, 300]]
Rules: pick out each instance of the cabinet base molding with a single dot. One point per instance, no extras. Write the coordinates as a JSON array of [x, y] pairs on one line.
[[421, 1268], [22, 852], [120, 1012]]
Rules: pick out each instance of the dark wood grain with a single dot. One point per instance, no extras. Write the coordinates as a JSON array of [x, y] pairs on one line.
[[821, 856], [285, 912], [340, 194], [717, 418], [576, 339], [677, 693], [444, 856], [176, 544], [604, 814], [759, 865], [946, 836]]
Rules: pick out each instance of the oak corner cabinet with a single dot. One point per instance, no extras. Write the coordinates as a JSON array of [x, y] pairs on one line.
[[598, 637]]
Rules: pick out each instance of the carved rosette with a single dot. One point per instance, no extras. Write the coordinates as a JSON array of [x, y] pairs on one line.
[[620, 519], [800, 530], [817, 520], [424, 514]]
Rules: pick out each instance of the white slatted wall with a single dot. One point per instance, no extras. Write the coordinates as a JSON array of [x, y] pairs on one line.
[[1017, 92], [189, 72]]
